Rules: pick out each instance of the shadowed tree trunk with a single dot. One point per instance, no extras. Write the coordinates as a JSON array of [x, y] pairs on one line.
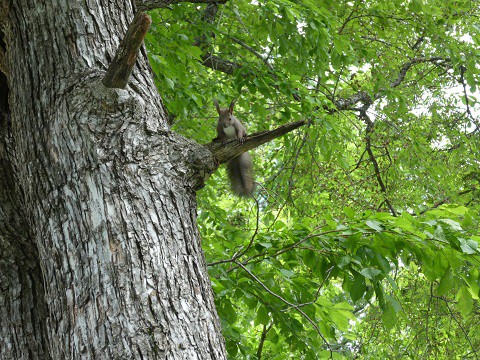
[[100, 256]]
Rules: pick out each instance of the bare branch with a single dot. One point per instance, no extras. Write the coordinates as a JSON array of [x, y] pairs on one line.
[[404, 69], [216, 63], [365, 98], [358, 162], [344, 104], [120, 69], [376, 168], [266, 329], [349, 17], [145, 5], [418, 43], [224, 154], [464, 85], [253, 51], [317, 294]]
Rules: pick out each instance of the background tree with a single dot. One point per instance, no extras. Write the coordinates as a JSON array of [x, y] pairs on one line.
[[369, 209]]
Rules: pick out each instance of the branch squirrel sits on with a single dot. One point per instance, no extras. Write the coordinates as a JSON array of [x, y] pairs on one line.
[[240, 168]]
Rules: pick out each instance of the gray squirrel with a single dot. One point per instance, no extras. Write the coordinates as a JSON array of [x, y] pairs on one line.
[[240, 168]]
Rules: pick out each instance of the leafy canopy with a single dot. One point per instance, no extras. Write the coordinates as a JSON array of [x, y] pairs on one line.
[[363, 239]]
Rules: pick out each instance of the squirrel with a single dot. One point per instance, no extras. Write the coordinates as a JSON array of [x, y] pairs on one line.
[[240, 168]]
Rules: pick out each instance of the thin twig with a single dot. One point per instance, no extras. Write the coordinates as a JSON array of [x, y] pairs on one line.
[[241, 253], [252, 50], [461, 328], [376, 167], [329, 271], [284, 250], [462, 81], [287, 303], [364, 96], [358, 162]]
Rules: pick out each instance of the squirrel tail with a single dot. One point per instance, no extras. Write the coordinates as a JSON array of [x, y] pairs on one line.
[[240, 173]]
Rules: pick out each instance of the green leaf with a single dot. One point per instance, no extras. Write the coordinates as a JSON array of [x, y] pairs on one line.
[[232, 347], [194, 51], [375, 225], [389, 317], [446, 283], [394, 303], [169, 83], [358, 287], [344, 261], [404, 224], [349, 212], [464, 301], [287, 274], [370, 273], [262, 317], [468, 246], [455, 225]]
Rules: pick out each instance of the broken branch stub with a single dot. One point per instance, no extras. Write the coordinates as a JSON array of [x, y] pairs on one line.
[[121, 67]]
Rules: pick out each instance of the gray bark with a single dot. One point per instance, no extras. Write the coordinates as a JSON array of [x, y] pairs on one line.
[[100, 256]]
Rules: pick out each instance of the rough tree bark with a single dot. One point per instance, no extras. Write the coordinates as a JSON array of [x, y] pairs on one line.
[[99, 251], [100, 256]]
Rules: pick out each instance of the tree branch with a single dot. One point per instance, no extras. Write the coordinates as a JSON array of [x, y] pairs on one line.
[[444, 201], [417, 43], [145, 5], [224, 154], [464, 85], [121, 67], [465, 332], [317, 294], [365, 98], [244, 251], [215, 63], [405, 67], [261, 256], [368, 148], [265, 331], [313, 323], [253, 51]]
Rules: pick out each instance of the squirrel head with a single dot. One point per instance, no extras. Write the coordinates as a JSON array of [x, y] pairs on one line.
[[225, 115]]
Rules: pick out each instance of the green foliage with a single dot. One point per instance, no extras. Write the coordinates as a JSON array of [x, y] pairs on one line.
[[364, 240]]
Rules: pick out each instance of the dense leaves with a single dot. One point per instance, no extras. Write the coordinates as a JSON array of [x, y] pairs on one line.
[[363, 239]]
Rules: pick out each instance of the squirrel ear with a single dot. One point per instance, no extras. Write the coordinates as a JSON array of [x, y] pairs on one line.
[[230, 108], [215, 102]]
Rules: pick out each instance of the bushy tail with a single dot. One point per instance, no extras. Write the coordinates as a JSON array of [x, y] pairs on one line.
[[240, 173]]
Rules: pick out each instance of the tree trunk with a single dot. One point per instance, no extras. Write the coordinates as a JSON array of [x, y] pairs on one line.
[[100, 256]]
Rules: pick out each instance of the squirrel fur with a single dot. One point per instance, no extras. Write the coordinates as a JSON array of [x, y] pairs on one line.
[[240, 168]]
